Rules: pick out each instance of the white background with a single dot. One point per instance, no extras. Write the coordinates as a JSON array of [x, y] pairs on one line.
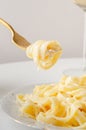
[[41, 19]]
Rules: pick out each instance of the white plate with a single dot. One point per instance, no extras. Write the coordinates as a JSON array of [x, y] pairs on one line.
[[10, 107]]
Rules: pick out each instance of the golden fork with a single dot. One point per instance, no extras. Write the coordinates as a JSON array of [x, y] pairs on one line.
[[20, 41]]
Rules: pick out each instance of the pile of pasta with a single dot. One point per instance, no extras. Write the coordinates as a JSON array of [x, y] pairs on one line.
[[61, 104]]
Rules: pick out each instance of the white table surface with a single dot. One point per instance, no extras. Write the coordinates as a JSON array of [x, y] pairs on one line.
[[14, 75]]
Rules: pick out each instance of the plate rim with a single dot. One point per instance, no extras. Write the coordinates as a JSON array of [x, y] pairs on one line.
[[38, 123]]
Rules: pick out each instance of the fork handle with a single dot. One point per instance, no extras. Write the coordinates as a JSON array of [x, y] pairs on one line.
[[7, 25]]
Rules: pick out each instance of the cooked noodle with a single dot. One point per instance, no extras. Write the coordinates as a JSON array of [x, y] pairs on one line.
[[62, 104], [44, 53]]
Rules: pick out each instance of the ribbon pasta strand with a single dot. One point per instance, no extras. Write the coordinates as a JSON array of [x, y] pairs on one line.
[[44, 53]]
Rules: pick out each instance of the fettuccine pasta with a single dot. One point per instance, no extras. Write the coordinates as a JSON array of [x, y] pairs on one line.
[[62, 104], [44, 53]]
